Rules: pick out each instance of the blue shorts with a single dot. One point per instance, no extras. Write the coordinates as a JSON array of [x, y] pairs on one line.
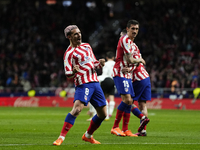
[[90, 92], [142, 90], [124, 86]]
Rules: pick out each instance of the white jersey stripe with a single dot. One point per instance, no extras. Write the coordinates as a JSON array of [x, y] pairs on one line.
[[137, 78], [125, 46], [141, 75], [83, 57]]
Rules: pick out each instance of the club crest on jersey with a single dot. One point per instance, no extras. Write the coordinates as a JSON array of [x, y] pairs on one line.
[[126, 89], [86, 48], [85, 97]]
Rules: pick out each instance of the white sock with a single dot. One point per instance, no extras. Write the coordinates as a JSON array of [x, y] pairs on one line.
[[143, 131], [111, 107], [143, 118], [62, 137], [92, 109], [94, 113], [107, 117], [87, 135]]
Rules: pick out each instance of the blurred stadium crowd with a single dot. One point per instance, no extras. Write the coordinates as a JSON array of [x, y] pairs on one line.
[[32, 41]]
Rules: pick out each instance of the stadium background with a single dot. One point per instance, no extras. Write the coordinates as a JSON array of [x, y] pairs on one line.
[[32, 44]]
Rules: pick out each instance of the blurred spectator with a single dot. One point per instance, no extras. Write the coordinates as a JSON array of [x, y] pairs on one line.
[[196, 94], [174, 85], [32, 41], [160, 84]]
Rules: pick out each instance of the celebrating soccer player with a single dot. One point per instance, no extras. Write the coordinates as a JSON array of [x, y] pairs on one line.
[[142, 88], [80, 63], [124, 58]]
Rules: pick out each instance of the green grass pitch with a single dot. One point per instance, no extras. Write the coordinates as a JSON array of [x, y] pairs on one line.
[[37, 128]]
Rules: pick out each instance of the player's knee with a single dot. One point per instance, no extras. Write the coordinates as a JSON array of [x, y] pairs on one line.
[[102, 112], [103, 116], [76, 111], [128, 100]]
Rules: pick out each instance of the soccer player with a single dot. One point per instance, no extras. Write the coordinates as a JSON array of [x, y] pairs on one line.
[[80, 63], [123, 33], [107, 84], [142, 88], [123, 83]]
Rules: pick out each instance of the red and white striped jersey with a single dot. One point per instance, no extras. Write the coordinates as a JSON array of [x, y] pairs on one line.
[[84, 57], [139, 73], [125, 45]]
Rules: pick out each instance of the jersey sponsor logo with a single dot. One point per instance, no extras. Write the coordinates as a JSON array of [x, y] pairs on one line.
[[29, 102], [87, 60], [67, 128], [135, 54], [155, 104]]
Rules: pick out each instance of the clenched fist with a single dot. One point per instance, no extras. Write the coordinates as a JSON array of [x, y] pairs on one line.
[[76, 69], [102, 62]]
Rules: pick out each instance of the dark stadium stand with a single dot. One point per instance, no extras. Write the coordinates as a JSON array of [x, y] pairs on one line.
[[32, 41]]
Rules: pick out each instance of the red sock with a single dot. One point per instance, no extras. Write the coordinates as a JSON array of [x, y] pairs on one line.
[[145, 127], [118, 118], [126, 118], [140, 116], [66, 127], [93, 126], [137, 112]]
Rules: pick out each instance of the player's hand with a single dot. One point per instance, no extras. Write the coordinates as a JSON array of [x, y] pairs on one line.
[[125, 70], [76, 69], [139, 60], [143, 61], [102, 62]]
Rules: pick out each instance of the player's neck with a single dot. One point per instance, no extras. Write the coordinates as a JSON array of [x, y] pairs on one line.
[[131, 38], [109, 59], [74, 45]]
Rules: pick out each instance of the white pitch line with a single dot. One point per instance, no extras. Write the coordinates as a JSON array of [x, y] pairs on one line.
[[104, 144], [151, 114]]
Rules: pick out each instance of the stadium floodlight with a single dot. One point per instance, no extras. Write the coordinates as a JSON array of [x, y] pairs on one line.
[[91, 4], [51, 2], [67, 3]]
